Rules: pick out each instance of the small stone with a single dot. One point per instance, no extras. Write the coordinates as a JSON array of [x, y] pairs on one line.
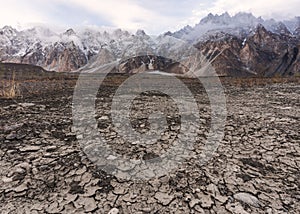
[[248, 199], [20, 188], [81, 171], [114, 211], [37, 207], [193, 202], [236, 208], [79, 137], [26, 105], [206, 201], [50, 148], [11, 136], [54, 208], [120, 190], [6, 179], [12, 127], [146, 210], [163, 198], [24, 165], [70, 197], [91, 190], [30, 149], [221, 198], [90, 205], [199, 209], [104, 118], [86, 178], [111, 157], [197, 190]]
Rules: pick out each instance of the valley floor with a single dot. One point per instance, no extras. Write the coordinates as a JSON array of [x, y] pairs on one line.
[[254, 170]]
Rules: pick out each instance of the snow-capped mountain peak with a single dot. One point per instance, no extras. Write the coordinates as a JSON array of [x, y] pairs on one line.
[[224, 18], [239, 24], [8, 31], [43, 47], [140, 32], [72, 49], [69, 32]]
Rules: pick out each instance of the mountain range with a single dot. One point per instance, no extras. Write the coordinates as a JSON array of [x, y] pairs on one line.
[[239, 45]]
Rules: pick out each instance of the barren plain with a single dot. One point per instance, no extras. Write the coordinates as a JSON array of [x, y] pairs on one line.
[[254, 170]]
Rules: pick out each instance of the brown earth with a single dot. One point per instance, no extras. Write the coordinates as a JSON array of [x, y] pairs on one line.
[[255, 168]]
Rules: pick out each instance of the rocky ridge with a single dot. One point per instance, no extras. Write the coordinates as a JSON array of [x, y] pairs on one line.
[[243, 45], [239, 45]]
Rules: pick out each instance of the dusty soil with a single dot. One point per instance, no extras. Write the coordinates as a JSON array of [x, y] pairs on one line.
[[255, 168]]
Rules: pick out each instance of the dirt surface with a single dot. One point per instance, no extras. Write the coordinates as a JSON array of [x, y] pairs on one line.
[[255, 168]]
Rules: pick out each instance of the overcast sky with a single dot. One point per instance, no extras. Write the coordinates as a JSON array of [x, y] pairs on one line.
[[154, 16]]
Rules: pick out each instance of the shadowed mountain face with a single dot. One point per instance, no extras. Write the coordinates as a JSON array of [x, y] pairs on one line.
[[262, 53], [241, 45], [151, 63]]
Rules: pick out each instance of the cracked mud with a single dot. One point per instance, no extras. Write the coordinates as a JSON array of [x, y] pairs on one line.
[[254, 170]]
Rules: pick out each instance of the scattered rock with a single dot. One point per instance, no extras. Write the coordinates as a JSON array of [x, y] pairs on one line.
[[248, 199], [20, 188], [163, 198], [206, 201], [236, 208], [11, 136], [89, 204], [255, 164], [114, 211], [193, 202], [30, 149], [26, 105], [8, 128], [6, 179]]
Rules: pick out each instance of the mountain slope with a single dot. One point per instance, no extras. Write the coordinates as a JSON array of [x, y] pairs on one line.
[[239, 25], [262, 53], [243, 45], [239, 45], [60, 52]]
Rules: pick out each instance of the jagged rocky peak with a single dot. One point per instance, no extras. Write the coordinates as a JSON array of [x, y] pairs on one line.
[[184, 31], [239, 24], [69, 32], [282, 29], [245, 43], [38, 32], [168, 33], [224, 18], [118, 33], [142, 35], [261, 53], [8, 31], [261, 29], [106, 34], [247, 19], [140, 32]]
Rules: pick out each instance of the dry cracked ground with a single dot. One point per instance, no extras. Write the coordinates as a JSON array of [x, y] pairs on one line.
[[255, 169]]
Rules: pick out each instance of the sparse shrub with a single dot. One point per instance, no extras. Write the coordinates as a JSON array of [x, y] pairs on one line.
[[10, 88]]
